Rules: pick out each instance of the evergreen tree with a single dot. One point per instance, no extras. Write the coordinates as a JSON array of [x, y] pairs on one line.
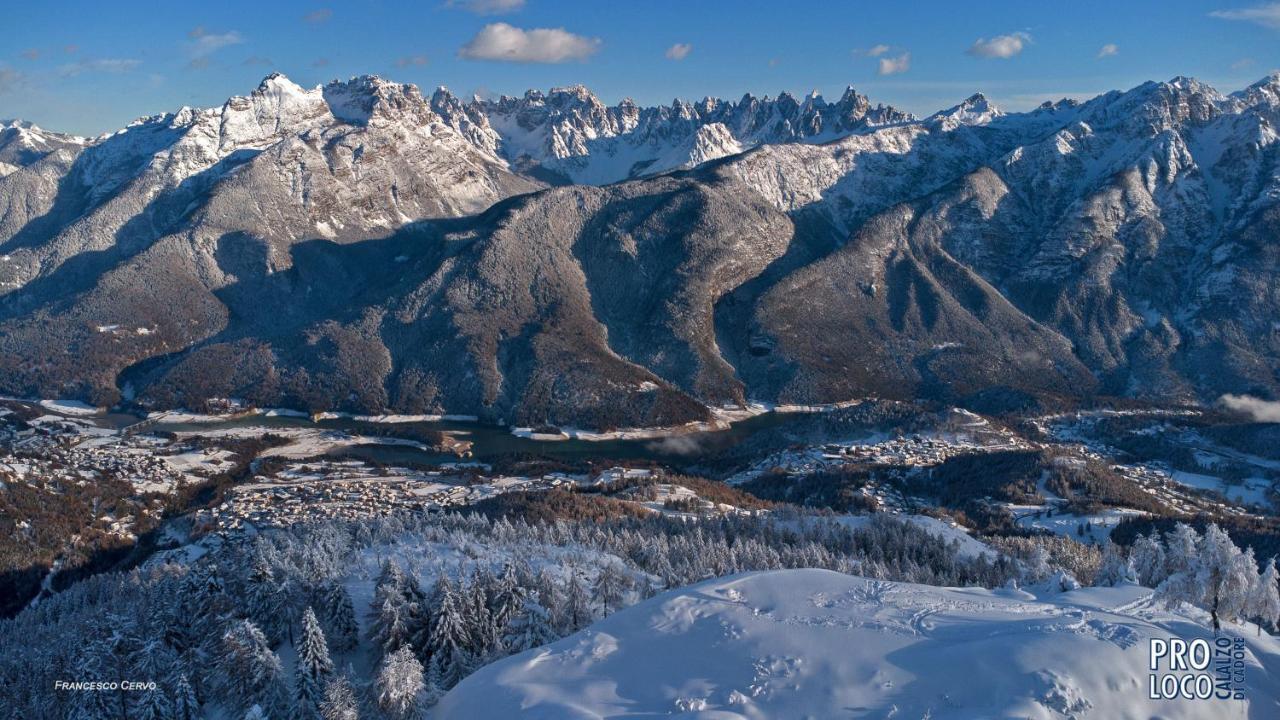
[[251, 672], [256, 712], [531, 628], [1265, 602], [399, 683], [507, 599], [313, 668], [153, 705], [267, 606], [339, 616], [449, 636], [482, 633], [397, 607], [185, 705]]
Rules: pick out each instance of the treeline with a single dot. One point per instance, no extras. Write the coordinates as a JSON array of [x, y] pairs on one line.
[[212, 633]]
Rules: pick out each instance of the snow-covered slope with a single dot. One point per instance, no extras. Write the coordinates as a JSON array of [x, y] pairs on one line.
[[22, 143], [818, 644]]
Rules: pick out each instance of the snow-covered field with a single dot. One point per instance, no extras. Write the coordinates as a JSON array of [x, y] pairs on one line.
[[818, 644]]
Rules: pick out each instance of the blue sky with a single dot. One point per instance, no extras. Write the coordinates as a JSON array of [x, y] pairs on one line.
[[87, 67]]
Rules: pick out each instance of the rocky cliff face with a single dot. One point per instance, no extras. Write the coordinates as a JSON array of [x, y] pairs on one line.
[[358, 246], [571, 135]]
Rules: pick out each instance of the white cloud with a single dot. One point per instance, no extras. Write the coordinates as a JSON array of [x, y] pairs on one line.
[[877, 50], [1000, 46], [1242, 64], [1267, 15], [105, 65], [1267, 411], [487, 7], [1108, 50], [204, 44], [894, 65], [679, 51], [500, 41]]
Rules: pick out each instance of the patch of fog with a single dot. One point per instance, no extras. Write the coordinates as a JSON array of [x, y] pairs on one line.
[[1266, 411]]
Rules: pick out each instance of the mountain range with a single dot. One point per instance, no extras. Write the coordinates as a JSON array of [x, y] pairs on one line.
[[552, 259]]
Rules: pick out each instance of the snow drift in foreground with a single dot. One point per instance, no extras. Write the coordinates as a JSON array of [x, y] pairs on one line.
[[819, 644]]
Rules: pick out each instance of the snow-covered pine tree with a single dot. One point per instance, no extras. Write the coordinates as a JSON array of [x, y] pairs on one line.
[[251, 672], [185, 704], [396, 608], [267, 606], [530, 628], [153, 705], [256, 712], [448, 639], [507, 598], [313, 668], [339, 616], [482, 633], [1264, 605], [339, 701], [399, 683]]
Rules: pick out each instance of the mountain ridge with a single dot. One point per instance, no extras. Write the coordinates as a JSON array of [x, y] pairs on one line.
[[362, 246]]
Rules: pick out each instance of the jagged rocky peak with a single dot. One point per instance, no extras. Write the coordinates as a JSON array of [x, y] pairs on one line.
[[976, 109], [370, 99], [1264, 92]]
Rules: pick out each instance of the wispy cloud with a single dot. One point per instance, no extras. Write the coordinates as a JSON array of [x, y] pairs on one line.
[[203, 43], [31, 54], [408, 60], [318, 16], [320, 62], [1242, 64], [114, 66], [486, 7], [1267, 411], [258, 60], [679, 51], [1267, 15], [1108, 50], [503, 42], [1001, 47], [71, 49], [874, 51], [894, 65]]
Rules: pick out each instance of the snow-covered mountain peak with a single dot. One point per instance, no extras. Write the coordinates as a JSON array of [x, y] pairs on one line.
[[975, 110], [369, 99], [1264, 92]]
